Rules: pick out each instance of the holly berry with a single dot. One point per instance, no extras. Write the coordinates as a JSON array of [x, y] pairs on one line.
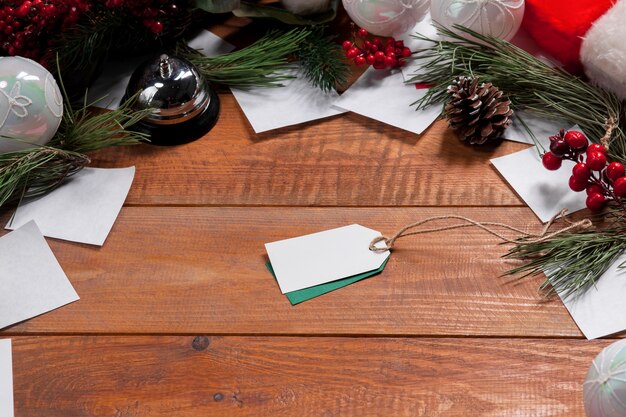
[[596, 147], [619, 187], [551, 162], [576, 140], [595, 202], [362, 33], [577, 184], [559, 147], [346, 45], [615, 170], [360, 60], [581, 171], [594, 189], [596, 160]]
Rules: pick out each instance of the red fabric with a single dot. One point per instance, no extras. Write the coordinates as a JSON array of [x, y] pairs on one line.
[[559, 25]]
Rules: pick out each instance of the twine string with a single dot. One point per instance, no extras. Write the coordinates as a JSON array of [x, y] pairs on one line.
[[609, 125], [486, 226]]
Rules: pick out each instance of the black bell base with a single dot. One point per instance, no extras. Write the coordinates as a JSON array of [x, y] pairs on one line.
[[181, 133]]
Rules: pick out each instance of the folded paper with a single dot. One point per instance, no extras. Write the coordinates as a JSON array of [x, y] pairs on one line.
[[6, 379]]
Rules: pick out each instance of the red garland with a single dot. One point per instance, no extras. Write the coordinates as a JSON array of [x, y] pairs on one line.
[[559, 25]]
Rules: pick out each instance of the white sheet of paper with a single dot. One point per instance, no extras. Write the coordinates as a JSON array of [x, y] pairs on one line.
[[83, 209], [309, 260], [294, 103], [6, 379], [31, 280], [109, 89], [600, 311], [383, 96], [541, 127], [545, 192], [426, 28]]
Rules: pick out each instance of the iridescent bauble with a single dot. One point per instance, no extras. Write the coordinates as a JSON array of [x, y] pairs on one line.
[[386, 17], [604, 390], [31, 105], [499, 18]]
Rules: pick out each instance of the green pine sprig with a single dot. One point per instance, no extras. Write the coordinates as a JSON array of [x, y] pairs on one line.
[[322, 60], [573, 262], [529, 83], [263, 63]]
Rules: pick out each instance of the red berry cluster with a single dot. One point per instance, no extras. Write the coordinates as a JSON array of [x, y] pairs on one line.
[[363, 50], [151, 12], [27, 25], [603, 182]]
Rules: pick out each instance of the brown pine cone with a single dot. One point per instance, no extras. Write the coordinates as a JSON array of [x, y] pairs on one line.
[[479, 113]]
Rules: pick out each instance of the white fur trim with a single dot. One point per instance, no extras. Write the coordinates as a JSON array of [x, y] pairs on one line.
[[603, 51], [305, 7]]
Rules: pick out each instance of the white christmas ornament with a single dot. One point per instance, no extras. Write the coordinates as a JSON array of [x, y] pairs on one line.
[[31, 105], [386, 17], [604, 390], [499, 18]]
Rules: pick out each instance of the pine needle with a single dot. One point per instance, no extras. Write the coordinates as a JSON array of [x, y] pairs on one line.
[[573, 263], [265, 62]]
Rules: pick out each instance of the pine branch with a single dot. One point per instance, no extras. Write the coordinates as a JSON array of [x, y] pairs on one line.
[[573, 262], [323, 61], [260, 64], [263, 63], [530, 84], [34, 172]]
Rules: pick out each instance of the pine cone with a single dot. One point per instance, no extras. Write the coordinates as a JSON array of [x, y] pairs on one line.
[[478, 113]]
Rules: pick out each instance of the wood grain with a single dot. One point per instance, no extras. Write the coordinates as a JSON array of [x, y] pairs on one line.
[[283, 376], [201, 270], [347, 160]]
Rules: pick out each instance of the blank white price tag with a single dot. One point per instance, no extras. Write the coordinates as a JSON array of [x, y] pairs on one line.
[[318, 258]]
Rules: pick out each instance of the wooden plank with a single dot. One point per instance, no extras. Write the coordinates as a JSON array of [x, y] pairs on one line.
[[201, 270], [286, 376], [347, 160]]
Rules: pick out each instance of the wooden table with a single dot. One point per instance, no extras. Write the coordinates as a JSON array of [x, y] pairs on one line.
[[179, 317]]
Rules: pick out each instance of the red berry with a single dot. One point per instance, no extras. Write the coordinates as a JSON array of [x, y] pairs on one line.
[[346, 45], [615, 170], [576, 140], [390, 50], [595, 202], [367, 45], [406, 52], [559, 147], [156, 27], [551, 162], [619, 187], [581, 171], [379, 65], [379, 56], [594, 189], [390, 61], [596, 147], [577, 184], [352, 53], [359, 60], [362, 33], [370, 59], [596, 161]]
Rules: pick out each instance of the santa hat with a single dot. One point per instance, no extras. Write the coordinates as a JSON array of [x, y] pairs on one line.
[[585, 36]]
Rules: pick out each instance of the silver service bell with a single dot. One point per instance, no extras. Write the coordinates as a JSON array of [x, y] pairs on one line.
[[184, 106]]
